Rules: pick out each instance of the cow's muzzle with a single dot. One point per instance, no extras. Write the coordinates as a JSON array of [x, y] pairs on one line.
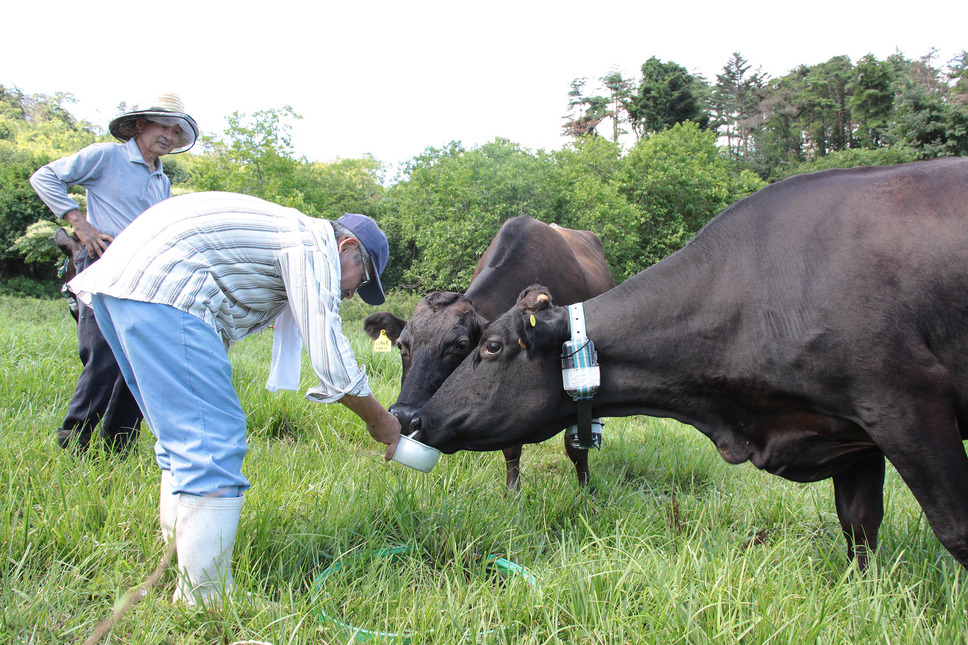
[[405, 416], [414, 429]]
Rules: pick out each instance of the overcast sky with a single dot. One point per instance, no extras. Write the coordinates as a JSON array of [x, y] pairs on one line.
[[391, 78]]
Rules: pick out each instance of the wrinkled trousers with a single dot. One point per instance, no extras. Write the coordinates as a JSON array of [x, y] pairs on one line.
[[101, 396], [177, 368]]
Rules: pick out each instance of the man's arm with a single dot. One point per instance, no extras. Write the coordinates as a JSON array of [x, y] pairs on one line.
[[51, 187], [94, 240], [382, 425], [329, 350]]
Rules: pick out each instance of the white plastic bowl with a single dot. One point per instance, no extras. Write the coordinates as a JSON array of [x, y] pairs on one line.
[[411, 452]]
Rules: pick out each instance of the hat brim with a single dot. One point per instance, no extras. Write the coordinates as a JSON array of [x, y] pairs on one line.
[[372, 292], [123, 127]]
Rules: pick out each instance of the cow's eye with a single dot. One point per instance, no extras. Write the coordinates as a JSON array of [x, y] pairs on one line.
[[491, 349], [462, 346]]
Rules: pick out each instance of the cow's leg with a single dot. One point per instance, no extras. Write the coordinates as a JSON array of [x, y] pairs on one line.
[[929, 455], [512, 459], [579, 457], [859, 496]]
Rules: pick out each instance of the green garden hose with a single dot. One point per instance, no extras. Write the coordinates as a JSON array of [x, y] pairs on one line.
[[362, 635]]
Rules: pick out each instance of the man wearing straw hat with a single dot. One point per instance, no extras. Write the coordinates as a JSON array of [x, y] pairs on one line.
[[176, 289], [122, 181]]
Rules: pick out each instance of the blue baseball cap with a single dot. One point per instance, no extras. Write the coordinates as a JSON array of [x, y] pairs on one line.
[[375, 242]]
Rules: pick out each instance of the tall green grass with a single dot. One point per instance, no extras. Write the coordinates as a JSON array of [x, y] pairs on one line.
[[674, 545]]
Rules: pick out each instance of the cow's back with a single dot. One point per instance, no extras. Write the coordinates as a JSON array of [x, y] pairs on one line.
[[590, 254], [888, 246], [526, 251], [834, 279]]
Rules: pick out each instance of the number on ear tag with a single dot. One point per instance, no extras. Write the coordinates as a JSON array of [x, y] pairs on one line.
[[382, 344]]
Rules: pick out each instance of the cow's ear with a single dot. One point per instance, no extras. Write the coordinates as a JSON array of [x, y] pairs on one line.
[[534, 299], [543, 331], [68, 244], [384, 321]]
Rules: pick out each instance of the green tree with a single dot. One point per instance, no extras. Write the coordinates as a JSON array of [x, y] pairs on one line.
[[35, 244], [927, 121], [957, 74], [452, 201], [19, 207], [590, 190], [619, 92], [34, 129], [736, 99], [807, 113], [679, 180], [871, 101], [823, 111], [667, 95], [849, 158], [910, 74], [584, 112], [929, 127], [42, 124], [341, 186], [255, 157], [778, 141]]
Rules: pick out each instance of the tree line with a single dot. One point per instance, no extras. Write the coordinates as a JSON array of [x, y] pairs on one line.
[[770, 125], [696, 148]]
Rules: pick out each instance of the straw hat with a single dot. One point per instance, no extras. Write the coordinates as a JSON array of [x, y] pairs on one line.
[[166, 109]]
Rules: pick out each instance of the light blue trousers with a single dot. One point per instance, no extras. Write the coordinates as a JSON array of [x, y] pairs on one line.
[[179, 372]]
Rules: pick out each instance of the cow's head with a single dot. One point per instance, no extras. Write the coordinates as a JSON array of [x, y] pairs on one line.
[[509, 391], [69, 246], [444, 329]]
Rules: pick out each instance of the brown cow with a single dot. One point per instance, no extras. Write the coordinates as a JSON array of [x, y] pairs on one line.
[[446, 326], [813, 329]]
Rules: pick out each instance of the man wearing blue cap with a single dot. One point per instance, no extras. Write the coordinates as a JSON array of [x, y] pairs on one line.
[[174, 291]]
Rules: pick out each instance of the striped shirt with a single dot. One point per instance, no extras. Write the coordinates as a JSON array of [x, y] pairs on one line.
[[236, 262]]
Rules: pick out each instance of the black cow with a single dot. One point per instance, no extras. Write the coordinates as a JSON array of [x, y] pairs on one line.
[[69, 246], [446, 326], [814, 329]]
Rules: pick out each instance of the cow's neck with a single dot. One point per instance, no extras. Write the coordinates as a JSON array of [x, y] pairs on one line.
[[664, 356], [490, 295]]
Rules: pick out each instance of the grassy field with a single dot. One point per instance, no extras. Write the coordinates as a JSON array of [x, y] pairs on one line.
[[673, 546]]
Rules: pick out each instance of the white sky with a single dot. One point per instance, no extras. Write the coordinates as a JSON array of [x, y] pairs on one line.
[[391, 78]]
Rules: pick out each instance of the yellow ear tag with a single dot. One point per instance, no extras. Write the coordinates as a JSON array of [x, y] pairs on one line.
[[382, 344], [534, 323]]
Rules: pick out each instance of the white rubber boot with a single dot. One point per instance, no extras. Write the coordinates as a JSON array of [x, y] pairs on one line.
[[168, 506], [204, 543]]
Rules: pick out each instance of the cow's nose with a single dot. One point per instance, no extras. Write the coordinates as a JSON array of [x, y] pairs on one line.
[[403, 415], [415, 428]]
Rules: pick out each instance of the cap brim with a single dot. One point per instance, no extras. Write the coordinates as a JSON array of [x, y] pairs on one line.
[[372, 292]]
